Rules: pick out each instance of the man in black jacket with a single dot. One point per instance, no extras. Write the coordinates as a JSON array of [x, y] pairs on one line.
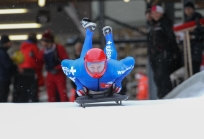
[[7, 68], [196, 36], [162, 50]]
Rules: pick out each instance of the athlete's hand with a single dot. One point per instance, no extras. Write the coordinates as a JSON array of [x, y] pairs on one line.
[[82, 92], [116, 89]]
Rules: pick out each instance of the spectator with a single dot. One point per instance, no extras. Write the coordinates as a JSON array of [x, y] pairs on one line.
[[162, 50], [142, 86], [25, 83], [196, 36], [52, 55], [7, 68]]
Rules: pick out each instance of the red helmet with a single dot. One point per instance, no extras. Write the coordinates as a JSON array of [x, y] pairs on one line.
[[95, 62]]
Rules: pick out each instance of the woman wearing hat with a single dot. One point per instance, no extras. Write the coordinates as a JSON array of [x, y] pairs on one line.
[[162, 50], [52, 55]]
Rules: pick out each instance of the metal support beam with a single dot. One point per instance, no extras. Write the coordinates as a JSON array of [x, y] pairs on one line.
[[125, 25], [169, 9], [101, 23], [71, 11]]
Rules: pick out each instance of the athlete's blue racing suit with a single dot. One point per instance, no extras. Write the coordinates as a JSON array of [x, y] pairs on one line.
[[113, 76]]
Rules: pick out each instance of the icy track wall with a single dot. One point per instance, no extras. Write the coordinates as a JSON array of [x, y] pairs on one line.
[[193, 87]]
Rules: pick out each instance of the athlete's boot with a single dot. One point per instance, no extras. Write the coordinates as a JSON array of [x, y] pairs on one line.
[[107, 30], [86, 23]]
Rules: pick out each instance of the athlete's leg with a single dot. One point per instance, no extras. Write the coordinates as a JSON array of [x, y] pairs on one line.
[[109, 49], [127, 66], [90, 27]]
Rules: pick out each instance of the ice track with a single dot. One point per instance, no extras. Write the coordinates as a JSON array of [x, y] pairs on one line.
[[158, 119], [170, 118]]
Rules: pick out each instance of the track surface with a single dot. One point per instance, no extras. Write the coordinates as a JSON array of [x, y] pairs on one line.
[[156, 119]]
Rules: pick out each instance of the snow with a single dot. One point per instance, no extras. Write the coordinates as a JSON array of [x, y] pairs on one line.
[[150, 119]]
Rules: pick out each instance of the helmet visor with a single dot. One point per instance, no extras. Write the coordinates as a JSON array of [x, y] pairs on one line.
[[95, 67]]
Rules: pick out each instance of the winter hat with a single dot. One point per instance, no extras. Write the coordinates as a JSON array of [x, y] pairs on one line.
[[47, 36], [4, 39], [32, 37], [189, 4], [157, 8]]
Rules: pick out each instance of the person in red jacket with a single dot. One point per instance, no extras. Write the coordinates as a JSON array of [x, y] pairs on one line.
[[52, 55], [25, 83], [142, 86]]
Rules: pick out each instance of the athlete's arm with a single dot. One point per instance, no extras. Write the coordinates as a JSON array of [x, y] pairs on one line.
[[127, 66], [69, 71]]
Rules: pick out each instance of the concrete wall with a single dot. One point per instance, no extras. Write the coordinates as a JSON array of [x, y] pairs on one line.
[[131, 12]]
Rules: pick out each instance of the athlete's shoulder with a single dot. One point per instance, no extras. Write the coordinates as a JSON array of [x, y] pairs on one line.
[[72, 67], [112, 67], [118, 67], [67, 62]]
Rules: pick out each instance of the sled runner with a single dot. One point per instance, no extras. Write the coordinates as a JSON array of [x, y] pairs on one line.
[[100, 98]]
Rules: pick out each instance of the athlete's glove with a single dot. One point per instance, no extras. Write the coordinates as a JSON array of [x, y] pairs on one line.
[[112, 90], [84, 92], [116, 89]]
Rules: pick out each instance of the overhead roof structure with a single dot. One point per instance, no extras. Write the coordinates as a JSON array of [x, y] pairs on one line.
[[34, 1], [28, 2], [9, 2], [65, 25], [60, 22], [199, 3]]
